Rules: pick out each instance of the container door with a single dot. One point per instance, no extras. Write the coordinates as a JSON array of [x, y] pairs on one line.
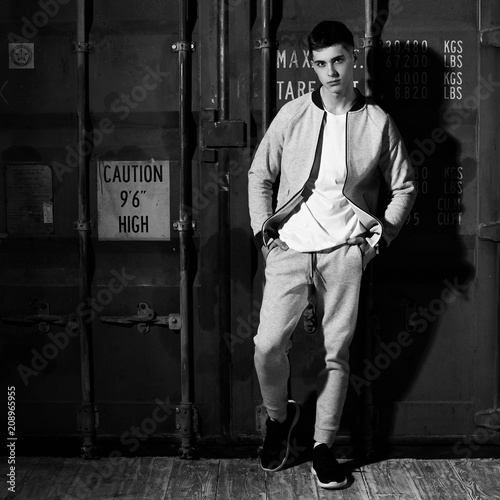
[[429, 367]]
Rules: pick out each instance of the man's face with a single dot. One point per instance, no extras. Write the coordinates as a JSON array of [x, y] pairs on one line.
[[334, 66]]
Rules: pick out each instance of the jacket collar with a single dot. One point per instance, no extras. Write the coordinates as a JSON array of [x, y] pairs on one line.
[[358, 103]]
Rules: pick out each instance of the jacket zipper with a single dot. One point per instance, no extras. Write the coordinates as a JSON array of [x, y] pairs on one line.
[[347, 176], [303, 187]]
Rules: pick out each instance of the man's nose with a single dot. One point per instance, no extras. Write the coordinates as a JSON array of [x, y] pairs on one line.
[[331, 70]]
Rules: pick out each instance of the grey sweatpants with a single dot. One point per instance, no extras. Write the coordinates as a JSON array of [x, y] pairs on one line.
[[336, 277]]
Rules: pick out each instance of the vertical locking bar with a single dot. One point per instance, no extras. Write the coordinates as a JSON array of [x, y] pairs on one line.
[[185, 231], [224, 254], [265, 52], [88, 414]]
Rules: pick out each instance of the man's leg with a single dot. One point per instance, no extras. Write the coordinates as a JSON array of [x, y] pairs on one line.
[[337, 278], [338, 281], [285, 298]]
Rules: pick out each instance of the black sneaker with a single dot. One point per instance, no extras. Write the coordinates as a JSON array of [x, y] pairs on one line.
[[327, 470], [277, 442]]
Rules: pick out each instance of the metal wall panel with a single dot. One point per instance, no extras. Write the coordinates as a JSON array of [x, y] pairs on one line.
[[437, 282]]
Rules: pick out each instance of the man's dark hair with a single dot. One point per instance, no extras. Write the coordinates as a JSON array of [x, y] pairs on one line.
[[328, 33]]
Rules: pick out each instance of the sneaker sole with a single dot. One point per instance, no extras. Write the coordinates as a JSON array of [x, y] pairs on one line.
[[294, 423], [332, 485]]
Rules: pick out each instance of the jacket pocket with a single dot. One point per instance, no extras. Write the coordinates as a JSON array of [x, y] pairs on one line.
[[367, 253], [266, 251]]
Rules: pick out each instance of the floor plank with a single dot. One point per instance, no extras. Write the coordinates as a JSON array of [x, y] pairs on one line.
[[304, 481], [66, 477], [24, 468], [124, 478], [241, 480], [295, 483], [151, 477], [108, 476], [435, 479], [355, 489], [82, 485], [43, 475], [194, 480], [389, 480], [163, 478], [99, 478], [480, 477]]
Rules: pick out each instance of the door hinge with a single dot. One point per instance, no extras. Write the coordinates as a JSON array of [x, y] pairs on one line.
[[83, 47], [266, 43], [489, 231], [186, 418], [83, 418], [183, 46], [490, 37]]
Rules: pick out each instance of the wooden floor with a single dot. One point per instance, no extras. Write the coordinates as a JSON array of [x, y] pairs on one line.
[[234, 479]]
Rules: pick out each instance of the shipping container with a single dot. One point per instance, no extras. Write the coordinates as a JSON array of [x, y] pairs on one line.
[[129, 278]]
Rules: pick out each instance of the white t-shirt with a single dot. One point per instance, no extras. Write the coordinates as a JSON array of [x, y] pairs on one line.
[[325, 219]]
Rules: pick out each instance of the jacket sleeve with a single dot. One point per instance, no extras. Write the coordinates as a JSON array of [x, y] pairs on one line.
[[263, 173], [397, 171]]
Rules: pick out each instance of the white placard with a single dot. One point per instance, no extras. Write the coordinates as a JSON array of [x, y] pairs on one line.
[[133, 200]]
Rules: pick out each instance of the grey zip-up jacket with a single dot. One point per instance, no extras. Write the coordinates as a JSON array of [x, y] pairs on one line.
[[375, 153]]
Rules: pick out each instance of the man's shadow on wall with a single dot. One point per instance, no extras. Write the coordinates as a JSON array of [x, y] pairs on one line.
[[402, 293]]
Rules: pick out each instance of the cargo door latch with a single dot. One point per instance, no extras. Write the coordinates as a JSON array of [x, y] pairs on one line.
[[41, 316], [144, 318]]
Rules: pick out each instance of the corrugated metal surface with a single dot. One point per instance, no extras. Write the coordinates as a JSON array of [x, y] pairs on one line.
[[434, 283]]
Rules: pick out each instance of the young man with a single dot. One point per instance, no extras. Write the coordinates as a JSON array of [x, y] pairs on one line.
[[332, 149]]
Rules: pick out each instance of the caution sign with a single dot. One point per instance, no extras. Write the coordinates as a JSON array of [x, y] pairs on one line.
[[133, 200]]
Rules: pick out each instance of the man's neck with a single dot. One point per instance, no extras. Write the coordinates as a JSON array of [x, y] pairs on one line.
[[336, 103]]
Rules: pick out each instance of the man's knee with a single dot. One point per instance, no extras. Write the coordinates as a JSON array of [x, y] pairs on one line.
[[268, 350]]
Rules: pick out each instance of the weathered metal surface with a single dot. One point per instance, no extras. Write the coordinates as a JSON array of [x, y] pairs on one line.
[[435, 307]]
